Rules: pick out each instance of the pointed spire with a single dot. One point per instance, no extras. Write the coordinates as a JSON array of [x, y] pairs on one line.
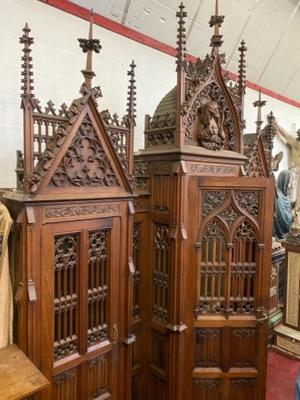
[[131, 94], [181, 36], [259, 104], [242, 68], [216, 23], [88, 46], [27, 71]]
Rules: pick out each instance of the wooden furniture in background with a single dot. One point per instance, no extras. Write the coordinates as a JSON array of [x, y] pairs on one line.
[[19, 378], [72, 239], [287, 335], [202, 240], [276, 290]]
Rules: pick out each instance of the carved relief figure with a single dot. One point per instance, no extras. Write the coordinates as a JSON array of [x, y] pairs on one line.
[[210, 130]]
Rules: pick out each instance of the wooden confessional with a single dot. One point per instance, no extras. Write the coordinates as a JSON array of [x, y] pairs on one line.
[[202, 240], [72, 239]]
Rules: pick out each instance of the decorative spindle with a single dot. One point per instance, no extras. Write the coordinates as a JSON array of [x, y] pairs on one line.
[[181, 36], [242, 68], [259, 104], [27, 71], [131, 94], [216, 23], [89, 46]]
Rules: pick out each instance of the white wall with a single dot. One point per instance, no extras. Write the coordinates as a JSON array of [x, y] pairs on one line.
[[58, 60]]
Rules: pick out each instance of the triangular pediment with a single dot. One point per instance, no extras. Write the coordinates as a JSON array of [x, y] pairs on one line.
[[257, 166], [86, 161]]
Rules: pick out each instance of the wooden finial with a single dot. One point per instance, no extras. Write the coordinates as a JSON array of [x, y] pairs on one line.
[[259, 104], [242, 68], [27, 72], [181, 36], [88, 46], [131, 94], [216, 23]]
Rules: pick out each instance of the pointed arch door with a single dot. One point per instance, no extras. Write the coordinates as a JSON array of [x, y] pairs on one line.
[[233, 250]]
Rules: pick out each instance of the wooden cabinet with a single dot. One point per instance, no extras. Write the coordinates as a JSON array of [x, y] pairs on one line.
[[287, 335], [72, 241], [203, 228]]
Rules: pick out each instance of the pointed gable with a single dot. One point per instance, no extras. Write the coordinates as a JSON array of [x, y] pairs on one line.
[[257, 165], [81, 156], [85, 162]]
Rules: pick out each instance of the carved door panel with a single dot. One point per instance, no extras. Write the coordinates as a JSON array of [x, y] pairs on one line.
[[80, 321], [233, 245]]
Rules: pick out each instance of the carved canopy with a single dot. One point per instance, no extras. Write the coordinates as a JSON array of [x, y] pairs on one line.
[[204, 109], [76, 146]]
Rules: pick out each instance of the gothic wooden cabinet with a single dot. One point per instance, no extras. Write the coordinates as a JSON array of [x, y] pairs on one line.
[[73, 240], [206, 211]]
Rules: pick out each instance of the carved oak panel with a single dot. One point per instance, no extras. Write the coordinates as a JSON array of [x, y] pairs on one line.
[[159, 350], [242, 389], [208, 347], [98, 377], [207, 389], [158, 389], [243, 345], [66, 385]]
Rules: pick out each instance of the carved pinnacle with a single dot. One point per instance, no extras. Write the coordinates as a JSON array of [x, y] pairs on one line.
[[27, 72], [216, 22], [89, 46], [259, 104], [131, 94], [272, 129], [181, 36], [242, 68]]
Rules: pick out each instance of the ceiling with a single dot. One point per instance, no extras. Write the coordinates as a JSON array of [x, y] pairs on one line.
[[271, 29]]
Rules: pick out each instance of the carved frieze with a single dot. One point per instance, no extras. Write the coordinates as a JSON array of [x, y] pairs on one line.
[[212, 169], [81, 211]]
